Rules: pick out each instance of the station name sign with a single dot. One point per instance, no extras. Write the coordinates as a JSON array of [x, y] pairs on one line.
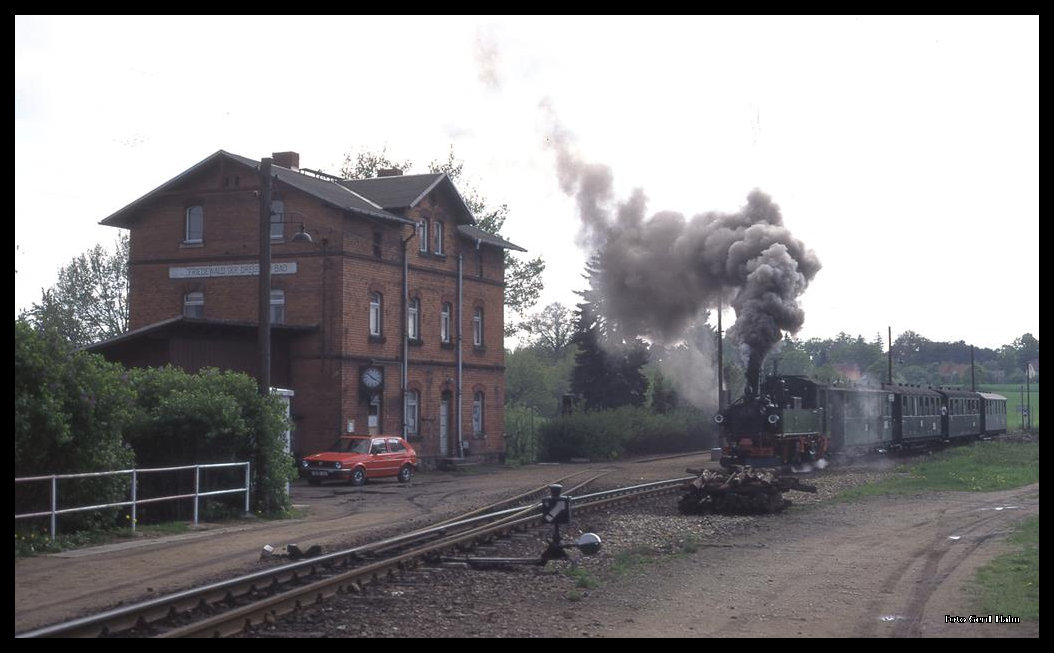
[[229, 270]]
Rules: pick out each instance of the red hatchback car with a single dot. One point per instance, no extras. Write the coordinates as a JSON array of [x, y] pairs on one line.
[[356, 458]]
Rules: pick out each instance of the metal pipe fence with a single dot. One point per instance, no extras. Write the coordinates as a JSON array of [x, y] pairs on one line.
[[134, 501]]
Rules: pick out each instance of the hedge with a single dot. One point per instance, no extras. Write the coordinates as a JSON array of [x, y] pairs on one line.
[[75, 412], [630, 430]]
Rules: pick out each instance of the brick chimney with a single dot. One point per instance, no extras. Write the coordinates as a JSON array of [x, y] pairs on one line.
[[289, 160], [389, 172]]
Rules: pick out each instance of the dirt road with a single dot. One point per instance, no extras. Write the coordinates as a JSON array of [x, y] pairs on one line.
[[879, 568]]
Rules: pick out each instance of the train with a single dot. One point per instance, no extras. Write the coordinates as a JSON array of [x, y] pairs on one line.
[[793, 421]]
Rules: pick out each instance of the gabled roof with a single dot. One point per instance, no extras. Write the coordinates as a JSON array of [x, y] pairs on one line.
[[374, 198], [477, 234], [400, 192], [329, 192]]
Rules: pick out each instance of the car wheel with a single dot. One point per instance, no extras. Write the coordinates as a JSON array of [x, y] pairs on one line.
[[358, 477], [406, 473]]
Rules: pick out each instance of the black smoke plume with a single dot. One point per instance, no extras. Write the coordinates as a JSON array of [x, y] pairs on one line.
[[659, 273]]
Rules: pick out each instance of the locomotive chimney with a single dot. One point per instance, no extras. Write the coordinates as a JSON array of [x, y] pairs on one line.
[[753, 385]]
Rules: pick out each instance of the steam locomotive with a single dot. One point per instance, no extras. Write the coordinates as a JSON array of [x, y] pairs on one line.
[[794, 421]]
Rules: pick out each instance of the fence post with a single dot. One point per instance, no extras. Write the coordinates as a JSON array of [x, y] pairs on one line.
[[135, 483], [247, 488], [54, 503], [197, 488]]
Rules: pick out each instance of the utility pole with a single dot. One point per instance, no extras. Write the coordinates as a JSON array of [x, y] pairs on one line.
[[889, 335], [404, 386], [973, 378], [1021, 389], [263, 376], [1028, 395], [720, 362], [263, 372]]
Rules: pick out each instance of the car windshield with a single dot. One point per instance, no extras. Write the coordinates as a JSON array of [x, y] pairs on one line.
[[351, 445]]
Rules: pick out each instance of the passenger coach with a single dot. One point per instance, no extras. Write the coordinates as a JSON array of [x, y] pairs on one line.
[[794, 420]]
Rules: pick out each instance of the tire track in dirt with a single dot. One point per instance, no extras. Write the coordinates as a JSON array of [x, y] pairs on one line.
[[880, 567], [956, 536]]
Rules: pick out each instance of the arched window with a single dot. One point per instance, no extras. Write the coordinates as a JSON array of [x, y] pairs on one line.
[[413, 319], [375, 314], [195, 224], [444, 323], [422, 235], [477, 413], [194, 304], [437, 237], [277, 307], [413, 401], [477, 327]]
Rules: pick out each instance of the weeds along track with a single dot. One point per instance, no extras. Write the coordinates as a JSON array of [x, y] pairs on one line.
[[241, 604]]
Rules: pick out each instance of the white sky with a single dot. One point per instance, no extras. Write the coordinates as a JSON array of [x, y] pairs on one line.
[[903, 150]]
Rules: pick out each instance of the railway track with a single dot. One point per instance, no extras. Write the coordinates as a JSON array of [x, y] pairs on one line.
[[244, 603]]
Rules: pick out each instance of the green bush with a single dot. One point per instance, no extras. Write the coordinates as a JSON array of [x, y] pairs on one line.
[[630, 430], [75, 412], [70, 409], [212, 417]]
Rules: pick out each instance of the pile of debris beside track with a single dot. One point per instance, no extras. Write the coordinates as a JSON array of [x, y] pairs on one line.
[[738, 492]]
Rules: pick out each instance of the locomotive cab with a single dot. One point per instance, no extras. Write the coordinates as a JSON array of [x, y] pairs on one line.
[[782, 425]]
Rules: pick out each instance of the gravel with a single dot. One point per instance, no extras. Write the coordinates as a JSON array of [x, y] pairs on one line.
[[531, 601]]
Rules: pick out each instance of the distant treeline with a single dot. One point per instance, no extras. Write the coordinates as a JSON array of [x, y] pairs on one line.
[[915, 360]]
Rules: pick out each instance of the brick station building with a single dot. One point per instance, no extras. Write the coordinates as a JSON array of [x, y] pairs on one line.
[[342, 310]]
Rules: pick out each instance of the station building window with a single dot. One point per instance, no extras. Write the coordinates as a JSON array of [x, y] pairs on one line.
[[422, 236], [277, 307], [477, 327], [413, 319], [477, 413], [413, 401], [444, 323], [194, 305], [195, 224], [376, 303]]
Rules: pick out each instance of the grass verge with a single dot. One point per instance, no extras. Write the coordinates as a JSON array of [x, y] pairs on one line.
[[1009, 585], [981, 467], [36, 543]]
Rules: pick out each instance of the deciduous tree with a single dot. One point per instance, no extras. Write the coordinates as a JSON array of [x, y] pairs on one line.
[[550, 330], [89, 302]]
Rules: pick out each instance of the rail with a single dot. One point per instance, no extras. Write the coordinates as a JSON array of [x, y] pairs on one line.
[[134, 501], [292, 586]]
